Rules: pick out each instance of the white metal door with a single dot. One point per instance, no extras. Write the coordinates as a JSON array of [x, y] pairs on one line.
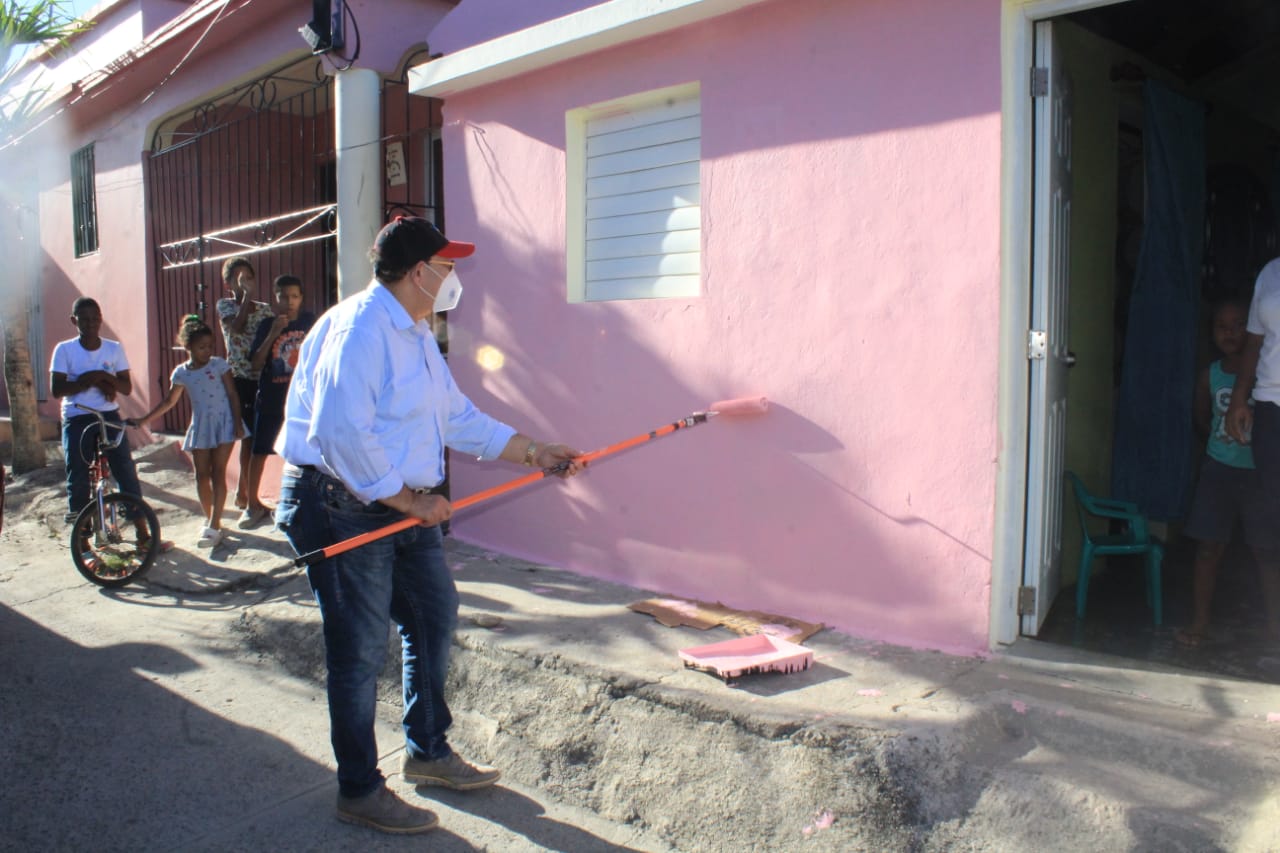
[[1048, 340]]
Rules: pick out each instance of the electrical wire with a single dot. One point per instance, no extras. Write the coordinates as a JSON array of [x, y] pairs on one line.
[[126, 113], [183, 60], [346, 8]]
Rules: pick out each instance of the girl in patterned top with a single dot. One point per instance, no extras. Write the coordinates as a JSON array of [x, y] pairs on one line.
[[216, 423]]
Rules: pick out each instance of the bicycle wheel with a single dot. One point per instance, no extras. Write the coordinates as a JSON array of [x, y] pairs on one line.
[[122, 549]]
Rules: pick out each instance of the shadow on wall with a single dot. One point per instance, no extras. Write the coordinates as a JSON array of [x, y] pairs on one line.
[[671, 515], [849, 51]]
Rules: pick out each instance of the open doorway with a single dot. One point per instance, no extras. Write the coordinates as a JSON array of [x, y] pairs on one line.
[[1216, 60]]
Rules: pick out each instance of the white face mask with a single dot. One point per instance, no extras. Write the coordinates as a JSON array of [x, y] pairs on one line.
[[449, 294]]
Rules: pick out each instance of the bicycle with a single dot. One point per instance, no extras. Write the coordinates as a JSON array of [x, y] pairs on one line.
[[116, 537]]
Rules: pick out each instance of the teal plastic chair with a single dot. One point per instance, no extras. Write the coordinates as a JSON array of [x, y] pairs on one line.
[[1135, 539]]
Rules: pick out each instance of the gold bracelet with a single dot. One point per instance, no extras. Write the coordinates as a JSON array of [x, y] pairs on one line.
[[530, 453]]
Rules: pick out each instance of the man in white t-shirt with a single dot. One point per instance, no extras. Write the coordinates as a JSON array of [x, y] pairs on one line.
[[90, 372]]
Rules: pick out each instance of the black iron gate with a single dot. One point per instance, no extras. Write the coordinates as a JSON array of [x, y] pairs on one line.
[[250, 172], [253, 172]]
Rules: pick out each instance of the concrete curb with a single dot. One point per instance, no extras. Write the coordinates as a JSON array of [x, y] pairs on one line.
[[875, 748]]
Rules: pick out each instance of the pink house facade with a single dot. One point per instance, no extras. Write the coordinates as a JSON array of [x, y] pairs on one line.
[[849, 270], [862, 210]]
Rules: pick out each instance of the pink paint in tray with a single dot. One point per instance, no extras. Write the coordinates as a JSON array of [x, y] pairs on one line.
[[746, 655]]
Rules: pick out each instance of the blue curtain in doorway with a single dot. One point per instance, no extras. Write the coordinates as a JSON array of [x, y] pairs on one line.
[[1153, 454]]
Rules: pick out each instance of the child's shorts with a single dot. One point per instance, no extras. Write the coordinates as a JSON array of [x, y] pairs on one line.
[[1223, 494]]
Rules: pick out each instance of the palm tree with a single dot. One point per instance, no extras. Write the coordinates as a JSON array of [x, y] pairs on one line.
[[41, 22]]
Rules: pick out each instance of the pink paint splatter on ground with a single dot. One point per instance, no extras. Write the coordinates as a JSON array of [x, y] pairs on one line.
[[1019, 706], [1067, 685], [1002, 677], [1059, 713], [869, 691], [1273, 717], [822, 820]]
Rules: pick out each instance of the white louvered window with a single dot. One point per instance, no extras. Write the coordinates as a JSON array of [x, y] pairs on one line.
[[634, 206]]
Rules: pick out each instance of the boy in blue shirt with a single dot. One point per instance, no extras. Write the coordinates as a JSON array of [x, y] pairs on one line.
[[274, 352]]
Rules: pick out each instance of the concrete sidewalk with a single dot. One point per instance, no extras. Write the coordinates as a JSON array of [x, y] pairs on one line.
[[874, 748]]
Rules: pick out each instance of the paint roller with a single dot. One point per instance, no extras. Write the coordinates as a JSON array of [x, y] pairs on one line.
[[742, 406]]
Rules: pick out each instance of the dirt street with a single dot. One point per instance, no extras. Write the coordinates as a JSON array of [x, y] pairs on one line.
[[140, 719]]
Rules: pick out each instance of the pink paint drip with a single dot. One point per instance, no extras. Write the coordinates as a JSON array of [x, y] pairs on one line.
[[1019, 706], [869, 691]]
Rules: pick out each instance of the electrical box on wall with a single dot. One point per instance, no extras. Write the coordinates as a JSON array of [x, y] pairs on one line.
[[325, 31]]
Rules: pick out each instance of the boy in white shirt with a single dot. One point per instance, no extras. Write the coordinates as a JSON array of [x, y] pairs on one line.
[[90, 372]]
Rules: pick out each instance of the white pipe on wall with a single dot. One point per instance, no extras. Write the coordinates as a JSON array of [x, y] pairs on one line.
[[357, 106]]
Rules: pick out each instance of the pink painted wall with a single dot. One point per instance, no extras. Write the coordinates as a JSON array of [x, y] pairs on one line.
[[850, 272]]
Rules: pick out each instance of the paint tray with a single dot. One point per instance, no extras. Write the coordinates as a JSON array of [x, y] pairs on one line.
[[747, 655]]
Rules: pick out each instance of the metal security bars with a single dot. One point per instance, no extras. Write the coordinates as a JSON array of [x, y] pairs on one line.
[[84, 202], [275, 232], [412, 151]]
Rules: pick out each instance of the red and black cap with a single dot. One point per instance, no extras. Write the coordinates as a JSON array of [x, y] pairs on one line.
[[406, 240]]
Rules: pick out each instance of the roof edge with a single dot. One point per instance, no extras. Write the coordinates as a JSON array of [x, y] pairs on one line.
[[602, 26]]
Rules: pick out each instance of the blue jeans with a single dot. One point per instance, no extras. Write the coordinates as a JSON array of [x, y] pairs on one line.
[[79, 446], [402, 578], [1266, 458]]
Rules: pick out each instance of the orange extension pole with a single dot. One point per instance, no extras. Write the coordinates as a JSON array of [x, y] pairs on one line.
[[743, 406]]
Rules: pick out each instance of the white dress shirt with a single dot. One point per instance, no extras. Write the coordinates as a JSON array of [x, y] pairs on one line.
[[373, 403]]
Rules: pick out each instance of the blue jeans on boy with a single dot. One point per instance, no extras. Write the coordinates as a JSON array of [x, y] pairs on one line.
[[402, 578], [79, 446]]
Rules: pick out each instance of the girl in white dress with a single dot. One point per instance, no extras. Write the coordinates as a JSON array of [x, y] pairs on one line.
[[216, 424]]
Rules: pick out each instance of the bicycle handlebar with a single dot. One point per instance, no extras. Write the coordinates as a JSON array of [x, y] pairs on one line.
[[105, 425]]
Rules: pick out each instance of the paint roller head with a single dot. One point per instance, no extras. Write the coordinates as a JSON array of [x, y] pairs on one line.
[[740, 406]]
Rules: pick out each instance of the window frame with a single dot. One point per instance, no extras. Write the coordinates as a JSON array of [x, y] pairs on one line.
[[84, 201], [576, 123]]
